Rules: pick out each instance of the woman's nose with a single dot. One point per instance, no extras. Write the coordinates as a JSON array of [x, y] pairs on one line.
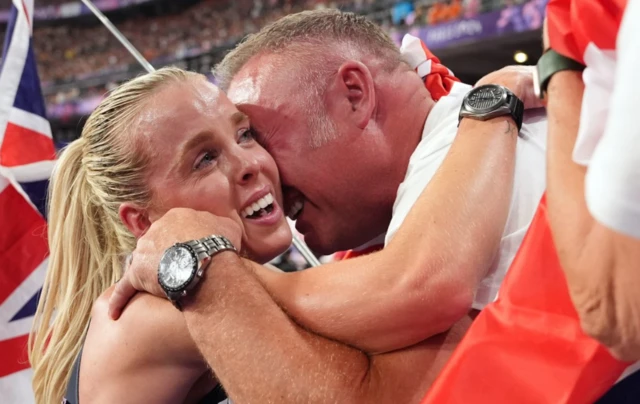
[[248, 167]]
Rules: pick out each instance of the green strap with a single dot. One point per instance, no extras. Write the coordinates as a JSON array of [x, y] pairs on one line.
[[550, 63]]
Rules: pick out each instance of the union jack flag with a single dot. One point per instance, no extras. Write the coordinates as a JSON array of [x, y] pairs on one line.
[[26, 158]]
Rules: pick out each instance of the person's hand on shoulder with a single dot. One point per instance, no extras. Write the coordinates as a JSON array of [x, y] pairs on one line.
[[177, 225], [518, 79]]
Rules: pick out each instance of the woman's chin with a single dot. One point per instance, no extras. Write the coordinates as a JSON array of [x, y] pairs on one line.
[[264, 255], [263, 248], [266, 251]]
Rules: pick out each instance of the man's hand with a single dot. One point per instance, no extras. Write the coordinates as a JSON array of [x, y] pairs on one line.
[[177, 225], [518, 79]]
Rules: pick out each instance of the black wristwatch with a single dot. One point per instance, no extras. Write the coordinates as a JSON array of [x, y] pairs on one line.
[[550, 63], [183, 265], [490, 101]]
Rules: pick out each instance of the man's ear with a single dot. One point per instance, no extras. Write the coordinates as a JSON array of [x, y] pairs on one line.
[[355, 85], [134, 218]]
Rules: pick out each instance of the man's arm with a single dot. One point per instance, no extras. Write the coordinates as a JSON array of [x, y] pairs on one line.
[[257, 352], [261, 356], [600, 264], [425, 279]]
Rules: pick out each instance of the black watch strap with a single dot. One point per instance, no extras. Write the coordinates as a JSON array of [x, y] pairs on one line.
[[550, 63], [517, 109]]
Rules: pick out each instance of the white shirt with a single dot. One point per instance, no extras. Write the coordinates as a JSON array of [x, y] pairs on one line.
[[609, 136], [439, 131]]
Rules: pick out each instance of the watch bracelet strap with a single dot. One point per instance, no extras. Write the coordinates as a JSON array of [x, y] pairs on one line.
[[211, 245], [552, 62]]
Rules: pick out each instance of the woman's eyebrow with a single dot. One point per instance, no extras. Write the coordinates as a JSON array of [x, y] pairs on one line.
[[186, 147]]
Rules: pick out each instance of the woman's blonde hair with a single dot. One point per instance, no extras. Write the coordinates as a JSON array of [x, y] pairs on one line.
[[94, 175]]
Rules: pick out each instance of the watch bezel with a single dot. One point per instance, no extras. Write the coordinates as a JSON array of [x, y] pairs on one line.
[[194, 270], [502, 101]]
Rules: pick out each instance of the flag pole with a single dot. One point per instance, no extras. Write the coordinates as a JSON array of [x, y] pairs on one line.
[[304, 250], [123, 40], [297, 242]]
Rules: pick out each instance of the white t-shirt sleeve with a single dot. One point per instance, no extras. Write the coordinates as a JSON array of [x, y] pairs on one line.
[[612, 183]]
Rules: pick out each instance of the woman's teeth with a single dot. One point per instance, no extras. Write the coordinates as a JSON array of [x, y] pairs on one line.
[[295, 209], [259, 207]]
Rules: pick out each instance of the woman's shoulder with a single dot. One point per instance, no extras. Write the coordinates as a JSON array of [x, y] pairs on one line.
[[147, 353], [146, 323]]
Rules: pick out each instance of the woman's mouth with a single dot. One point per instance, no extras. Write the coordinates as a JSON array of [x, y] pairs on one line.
[[263, 211]]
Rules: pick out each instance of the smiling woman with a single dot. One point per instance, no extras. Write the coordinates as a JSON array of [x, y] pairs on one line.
[[165, 140]]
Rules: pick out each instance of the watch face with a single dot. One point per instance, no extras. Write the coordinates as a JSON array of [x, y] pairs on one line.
[[177, 267], [485, 98]]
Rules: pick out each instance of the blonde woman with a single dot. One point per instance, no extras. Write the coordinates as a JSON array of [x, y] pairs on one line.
[[164, 140]]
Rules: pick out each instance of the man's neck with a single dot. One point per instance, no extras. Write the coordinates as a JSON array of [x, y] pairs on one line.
[[409, 106], [403, 104]]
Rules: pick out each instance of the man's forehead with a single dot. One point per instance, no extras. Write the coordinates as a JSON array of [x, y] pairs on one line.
[[244, 90], [260, 82]]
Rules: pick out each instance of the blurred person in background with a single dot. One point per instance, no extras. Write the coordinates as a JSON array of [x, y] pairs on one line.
[[312, 104], [593, 167]]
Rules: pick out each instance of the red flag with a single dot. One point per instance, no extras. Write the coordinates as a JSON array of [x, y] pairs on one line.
[[528, 346], [573, 24], [437, 77]]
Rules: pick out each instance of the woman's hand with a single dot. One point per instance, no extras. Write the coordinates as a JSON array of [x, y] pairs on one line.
[[177, 225]]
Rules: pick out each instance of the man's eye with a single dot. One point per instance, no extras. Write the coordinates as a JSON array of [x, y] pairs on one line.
[[246, 135], [206, 159]]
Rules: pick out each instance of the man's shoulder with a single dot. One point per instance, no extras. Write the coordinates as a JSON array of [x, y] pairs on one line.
[[442, 121]]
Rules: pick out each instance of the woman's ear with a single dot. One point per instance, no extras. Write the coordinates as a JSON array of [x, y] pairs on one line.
[[134, 218]]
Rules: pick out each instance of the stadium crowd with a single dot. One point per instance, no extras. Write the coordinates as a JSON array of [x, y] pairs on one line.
[[70, 52], [73, 51]]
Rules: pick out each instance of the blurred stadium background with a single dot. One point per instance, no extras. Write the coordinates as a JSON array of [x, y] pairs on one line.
[[79, 60]]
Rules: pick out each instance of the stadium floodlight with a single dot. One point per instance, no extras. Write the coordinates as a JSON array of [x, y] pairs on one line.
[[300, 245], [520, 57]]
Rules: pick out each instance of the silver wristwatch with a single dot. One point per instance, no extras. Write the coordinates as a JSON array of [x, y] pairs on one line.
[[183, 265]]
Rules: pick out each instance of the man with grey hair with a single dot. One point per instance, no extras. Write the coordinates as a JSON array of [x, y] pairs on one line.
[[357, 138]]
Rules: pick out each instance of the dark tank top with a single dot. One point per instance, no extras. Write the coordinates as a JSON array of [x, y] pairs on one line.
[[72, 396]]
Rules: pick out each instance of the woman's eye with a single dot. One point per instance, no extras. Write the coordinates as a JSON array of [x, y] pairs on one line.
[[246, 135], [206, 159]]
